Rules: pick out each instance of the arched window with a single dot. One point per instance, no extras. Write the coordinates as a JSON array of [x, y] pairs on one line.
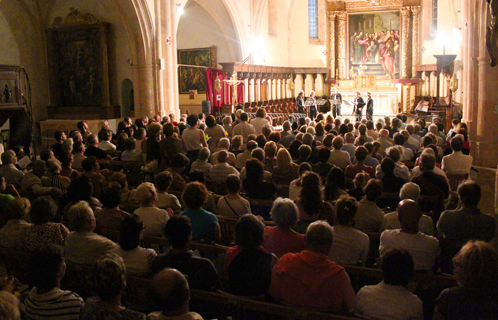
[[434, 17], [313, 18]]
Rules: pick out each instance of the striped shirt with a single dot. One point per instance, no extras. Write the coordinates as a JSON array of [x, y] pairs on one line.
[[55, 304]]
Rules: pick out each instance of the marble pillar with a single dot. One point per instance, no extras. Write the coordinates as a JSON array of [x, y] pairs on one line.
[[332, 44], [145, 101], [415, 40], [405, 37], [341, 44]]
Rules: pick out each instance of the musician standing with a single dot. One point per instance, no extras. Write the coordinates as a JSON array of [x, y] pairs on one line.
[[358, 105], [312, 107], [300, 102], [336, 107], [370, 106]]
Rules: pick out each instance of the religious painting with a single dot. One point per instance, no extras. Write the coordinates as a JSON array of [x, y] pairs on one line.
[[192, 65], [374, 44], [79, 66]]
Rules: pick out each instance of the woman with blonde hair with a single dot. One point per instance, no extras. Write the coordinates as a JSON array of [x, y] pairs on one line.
[[285, 170], [154, 218], [476, 270], [270, 152]]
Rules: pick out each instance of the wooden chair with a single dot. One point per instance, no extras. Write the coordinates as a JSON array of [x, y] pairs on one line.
[[138, 294], [456, 180], [16, 262], [227, 226], [236, 307], [213, 249], [216, 187], [161, 245], [108, 233], [261, 207]]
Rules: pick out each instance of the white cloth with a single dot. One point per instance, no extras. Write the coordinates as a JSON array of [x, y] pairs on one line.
[[106, 146], [369, 218], [86, 247], [339, 158], [220, 171], [259, 123], [406, 153], [423, 248], [384, 301], [165, 200], [244, 129], [154, 220], [425, 225], [137, 261], [350, 246], [457, 163], [11, 174], [294, 189], [191, 138]]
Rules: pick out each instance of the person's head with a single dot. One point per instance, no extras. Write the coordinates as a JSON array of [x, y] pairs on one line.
[[249, 232], [335, 180], [270, 149], [66, 159], [233, 184], [303, 168], [80, 189], [92, 140], [224, 143], [120, 179], [9, 306], [192, 120], [261, 113], [39, 168], [304, 152], [243, 116], [476, 266], [109, 276], [43, 210], [204, 154], [346, 210], [179, 161], [261, 141], [457, 144], [254, 169], [237, 142], [111, 195], [393, 153], [81, 217], [163, 181], [285, 213], [130, 232], [82, 126], [8, 157], [319, 237], [78, 147], [361, 153], [171, 291], [196, 175], [338, 142], [18, 209], [323, 155], [349, 137], [399, 139], [178, 231], [90, 163], [410, 191], [427, 162], [387, 165], [195, 195], [146, 194], [284, 159], [310, 197], [360, 180], [373, 189], [258, 154], [469, 193], [409, 214], [130, 143], [210, 121], [397, 267], [47, 267]]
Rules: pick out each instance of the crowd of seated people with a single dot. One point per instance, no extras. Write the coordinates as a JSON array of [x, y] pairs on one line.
[[326, 181]]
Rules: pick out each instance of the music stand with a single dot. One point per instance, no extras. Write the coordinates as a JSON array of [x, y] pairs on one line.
[[308, 103]]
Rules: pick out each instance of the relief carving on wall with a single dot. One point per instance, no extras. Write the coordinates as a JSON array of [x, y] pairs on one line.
[[74, 18]]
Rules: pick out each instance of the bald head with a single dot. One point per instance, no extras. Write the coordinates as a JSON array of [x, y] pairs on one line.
[[319, 237], [409, 214], [222, 156], [171, 290]]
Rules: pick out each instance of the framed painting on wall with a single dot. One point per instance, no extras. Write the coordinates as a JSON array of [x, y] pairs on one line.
[[192, 65], [374, 44]]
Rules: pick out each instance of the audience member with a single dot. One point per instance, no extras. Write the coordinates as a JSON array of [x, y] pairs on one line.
[[153, 217], [309, 279], [110, 216], [32, 184], [369, 218], [202, 162], [232, 204], [46, 300], [16, 228], [8, 169], [93, 149], [338, 157], [350, 246], [221, 170], [423, 248], [285, 170], [178, 165], [165, 200], [457, 162]]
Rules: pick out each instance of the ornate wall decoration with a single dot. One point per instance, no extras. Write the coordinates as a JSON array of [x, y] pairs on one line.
[[415, 39], [405, 27], [341, 17], [331, 52]]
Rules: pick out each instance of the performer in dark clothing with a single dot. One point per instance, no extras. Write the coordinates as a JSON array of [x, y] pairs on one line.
[[300, 102], [336, 107], [358, 105], [370, 106]]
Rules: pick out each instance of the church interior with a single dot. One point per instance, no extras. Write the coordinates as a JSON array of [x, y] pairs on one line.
[[66, 61]]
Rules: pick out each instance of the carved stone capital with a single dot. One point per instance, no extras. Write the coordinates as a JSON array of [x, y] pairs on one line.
[[341, 16], [415, 11], [332, 15], [405, 12]]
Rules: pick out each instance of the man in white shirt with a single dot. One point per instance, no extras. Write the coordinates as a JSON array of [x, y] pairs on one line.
[[390, 299], [246, 155], [338, 157], [349, 146], [406, 153], [457, 162], [220, 171], [243, 128], [423, 248], [9, 171], [384, 140], [260, 121], [400, 170]]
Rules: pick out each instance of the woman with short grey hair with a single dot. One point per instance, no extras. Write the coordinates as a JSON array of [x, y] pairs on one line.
[[281, 239]]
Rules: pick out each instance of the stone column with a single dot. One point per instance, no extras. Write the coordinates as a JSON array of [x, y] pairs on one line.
[[405, 37], [331, 51], [415, 40], [143, 78], [341, 44]]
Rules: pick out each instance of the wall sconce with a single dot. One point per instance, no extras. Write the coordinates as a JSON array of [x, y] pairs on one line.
[[179, 9]]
